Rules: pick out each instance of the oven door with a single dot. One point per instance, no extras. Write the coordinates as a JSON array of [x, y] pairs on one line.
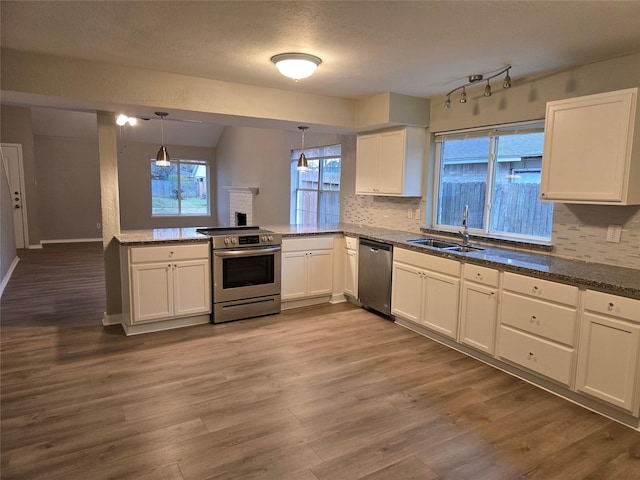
[[244, 273]]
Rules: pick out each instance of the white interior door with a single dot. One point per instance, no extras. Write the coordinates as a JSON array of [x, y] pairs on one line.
[[12, 163]]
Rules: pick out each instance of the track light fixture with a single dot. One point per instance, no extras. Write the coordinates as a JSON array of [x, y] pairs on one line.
[[477, 77]]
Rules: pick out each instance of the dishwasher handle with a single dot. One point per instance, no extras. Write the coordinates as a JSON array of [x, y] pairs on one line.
[[375, 246]]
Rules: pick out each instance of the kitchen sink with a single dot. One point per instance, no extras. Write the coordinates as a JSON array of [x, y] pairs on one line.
[[444, 245], [463, 248], [432, 242]]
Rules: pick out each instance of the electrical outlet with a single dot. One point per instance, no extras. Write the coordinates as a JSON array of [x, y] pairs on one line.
[[417, 215], [410, 213], [98, 225], [613, 233]]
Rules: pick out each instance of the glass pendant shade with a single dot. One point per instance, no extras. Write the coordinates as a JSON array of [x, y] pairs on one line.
[[302, 163], [162, 158]]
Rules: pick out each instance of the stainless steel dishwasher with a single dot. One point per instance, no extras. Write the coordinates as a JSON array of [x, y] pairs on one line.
[[374, 275]]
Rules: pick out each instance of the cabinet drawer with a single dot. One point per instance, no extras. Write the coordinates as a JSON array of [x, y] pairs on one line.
[[163, 253], [612, 305], [543, 289], [428, 262], [351, 243], [483, 275], [307, 243], [543, 357], [551, 321]]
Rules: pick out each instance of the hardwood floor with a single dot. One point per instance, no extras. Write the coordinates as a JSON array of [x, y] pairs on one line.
[[333, 392]]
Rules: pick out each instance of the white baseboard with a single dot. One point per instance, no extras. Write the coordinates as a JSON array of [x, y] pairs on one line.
[[72, 240], [7, 277], [35, 247], [111, 319]]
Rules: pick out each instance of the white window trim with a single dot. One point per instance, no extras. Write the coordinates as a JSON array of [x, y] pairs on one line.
[[533, 126]]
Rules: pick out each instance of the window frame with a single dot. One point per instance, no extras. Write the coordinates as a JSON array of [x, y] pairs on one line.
[[491, 132], [178, 162], [295, 182]]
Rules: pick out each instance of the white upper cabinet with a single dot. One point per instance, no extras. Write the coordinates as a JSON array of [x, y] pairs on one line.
[[592, 150], [390, 163]]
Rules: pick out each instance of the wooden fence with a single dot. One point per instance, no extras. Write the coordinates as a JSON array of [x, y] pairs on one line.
[[516, 208]]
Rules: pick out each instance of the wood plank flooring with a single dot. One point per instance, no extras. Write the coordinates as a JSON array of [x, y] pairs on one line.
[[332, 392]]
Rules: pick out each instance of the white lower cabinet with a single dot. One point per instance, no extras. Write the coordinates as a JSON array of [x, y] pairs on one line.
[[538, 323], [307, 267], [351, 267], [166, 282], [609, 352], [479, 307], [426, 290]]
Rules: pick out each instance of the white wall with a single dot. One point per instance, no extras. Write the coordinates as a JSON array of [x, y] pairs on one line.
[[258, 157]]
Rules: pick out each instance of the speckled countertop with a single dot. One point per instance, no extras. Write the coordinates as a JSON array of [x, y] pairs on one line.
[[597, 276], [160, 235]]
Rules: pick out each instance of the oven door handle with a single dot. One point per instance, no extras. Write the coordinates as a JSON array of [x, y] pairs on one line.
[[244, 252]]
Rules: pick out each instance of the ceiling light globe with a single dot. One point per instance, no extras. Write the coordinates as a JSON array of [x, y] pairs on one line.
[[296, 65], [121, 120], [132, 121]]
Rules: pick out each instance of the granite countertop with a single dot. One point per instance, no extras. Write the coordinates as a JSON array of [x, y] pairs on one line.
[[607, 278], [598, 276], [160, 235]]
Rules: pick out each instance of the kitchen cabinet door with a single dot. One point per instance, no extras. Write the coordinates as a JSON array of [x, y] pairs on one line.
[[391, 164], [440, 310], [367, 164], [407, 292], [478, 316], [608, 357], [192, 287], [294, 275], [320, 278], [351, 273], [152, 292], [592, 150]]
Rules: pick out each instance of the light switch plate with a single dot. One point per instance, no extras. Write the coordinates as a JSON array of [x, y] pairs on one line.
[[613, 233]]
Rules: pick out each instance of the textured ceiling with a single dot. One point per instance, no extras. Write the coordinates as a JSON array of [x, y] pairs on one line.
[[422, 48]]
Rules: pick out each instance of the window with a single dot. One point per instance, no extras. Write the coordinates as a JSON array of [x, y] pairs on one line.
[[315, 195], [497, 174], [180, 189]]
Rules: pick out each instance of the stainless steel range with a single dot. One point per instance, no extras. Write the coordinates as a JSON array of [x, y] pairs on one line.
[[245, 262]]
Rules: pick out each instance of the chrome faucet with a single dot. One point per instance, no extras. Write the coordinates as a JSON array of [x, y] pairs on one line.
[[465, 231]]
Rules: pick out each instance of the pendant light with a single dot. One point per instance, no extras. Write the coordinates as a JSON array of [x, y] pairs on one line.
[[162, 158], [302, 161]]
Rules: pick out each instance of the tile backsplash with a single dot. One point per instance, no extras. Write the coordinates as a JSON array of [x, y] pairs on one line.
[[386, 212], [579, 231]]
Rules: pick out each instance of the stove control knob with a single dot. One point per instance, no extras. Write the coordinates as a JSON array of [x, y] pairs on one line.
[[233, 240], [271, 238], [227, 241], [264, 238]]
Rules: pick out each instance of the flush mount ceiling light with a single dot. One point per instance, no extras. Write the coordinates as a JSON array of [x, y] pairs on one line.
[[296, 65], [477, 77], [162, 158], [123, 120], [302, 161]]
